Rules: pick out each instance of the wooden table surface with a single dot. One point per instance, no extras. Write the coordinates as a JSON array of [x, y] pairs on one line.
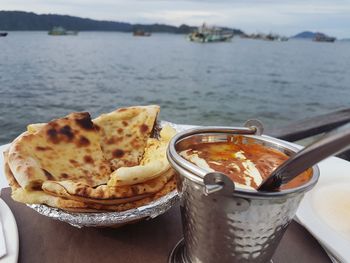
[[43, 239]]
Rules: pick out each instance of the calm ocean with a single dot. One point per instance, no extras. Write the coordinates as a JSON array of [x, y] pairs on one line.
[[44, 77]]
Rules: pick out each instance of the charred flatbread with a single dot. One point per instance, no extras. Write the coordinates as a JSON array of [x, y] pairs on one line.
[[68, 162], [124, 133], [126, 182], [36, 196], [40, 197], [91, 207], [63, 149], [154, 162], [86, 193]]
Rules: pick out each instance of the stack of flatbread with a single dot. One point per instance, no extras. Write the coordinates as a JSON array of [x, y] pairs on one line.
[[78, 164]]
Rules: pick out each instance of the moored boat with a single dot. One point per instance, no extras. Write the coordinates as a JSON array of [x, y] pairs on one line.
[[206, 34], [141, 33], [61, 31], [319, 37], [3, 34]]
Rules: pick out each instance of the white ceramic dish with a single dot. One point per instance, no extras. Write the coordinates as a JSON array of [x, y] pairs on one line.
[[325, 210], [3, 182], [11, 234]]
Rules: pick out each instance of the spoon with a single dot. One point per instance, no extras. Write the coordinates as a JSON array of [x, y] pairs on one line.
[[332, 143]]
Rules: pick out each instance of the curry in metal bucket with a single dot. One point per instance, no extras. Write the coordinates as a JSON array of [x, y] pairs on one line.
[[244, 161]]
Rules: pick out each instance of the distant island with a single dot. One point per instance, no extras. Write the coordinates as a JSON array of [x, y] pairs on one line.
[[308, 35], [18, 20], [305, 34], [315, 36]]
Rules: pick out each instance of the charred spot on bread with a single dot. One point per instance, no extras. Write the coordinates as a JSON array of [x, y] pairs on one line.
[[74, 162], [67, 131], [84, 121], [118, 153], [53, 135], [110, 141], [40, 148], [64, 175], [48, 175], [36, 185], [125, 123], [83, 141], [143, 128], [88, 159]]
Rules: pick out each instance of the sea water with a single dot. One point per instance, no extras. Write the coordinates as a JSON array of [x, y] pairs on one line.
[[44, 77]]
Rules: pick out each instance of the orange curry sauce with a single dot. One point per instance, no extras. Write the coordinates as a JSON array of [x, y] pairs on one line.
[[222, 157]]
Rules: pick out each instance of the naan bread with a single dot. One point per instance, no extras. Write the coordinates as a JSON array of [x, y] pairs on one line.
[[168, 187], [124, 133], [32, 128], [35, 196], [63, 149], [154, 162], [40, 197], [91, 207], [67, 162], [77, 191]]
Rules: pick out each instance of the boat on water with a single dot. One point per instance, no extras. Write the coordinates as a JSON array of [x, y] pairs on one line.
[[141, 33], [3, 34], [266, 37], [205, 34], [319, 37], [61, 31], [282, 38]]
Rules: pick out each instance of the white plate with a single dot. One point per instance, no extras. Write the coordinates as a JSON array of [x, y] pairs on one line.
[[11, 233], [325, 210], [3, 182]]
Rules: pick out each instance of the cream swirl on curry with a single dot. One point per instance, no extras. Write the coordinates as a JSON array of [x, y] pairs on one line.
[[246, 164]]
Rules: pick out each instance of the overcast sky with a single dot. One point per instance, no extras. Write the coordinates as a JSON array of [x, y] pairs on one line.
[[280, 16]]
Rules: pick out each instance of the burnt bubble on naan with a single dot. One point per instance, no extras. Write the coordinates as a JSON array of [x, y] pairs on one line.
[[124, 133], [63, 149]]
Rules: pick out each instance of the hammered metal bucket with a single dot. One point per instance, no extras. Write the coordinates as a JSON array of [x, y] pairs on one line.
[[224, 224]]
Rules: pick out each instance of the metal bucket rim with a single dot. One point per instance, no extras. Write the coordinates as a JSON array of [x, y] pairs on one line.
[[178, 162]]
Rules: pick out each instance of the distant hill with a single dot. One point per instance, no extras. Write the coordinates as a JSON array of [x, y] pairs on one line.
[[305, 34], [18, 20], [317, 36], [183, 29]]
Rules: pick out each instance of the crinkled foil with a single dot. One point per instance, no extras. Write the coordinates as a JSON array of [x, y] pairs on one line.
[[105, 219], [113, 219]]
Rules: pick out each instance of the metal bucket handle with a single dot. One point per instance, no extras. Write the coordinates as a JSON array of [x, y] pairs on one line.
[[218, 183]]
